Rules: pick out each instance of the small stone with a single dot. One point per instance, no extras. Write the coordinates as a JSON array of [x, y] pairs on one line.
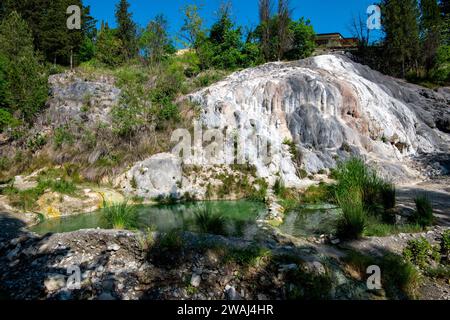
[[54, 282], [195, 280], [231, 293], [335, 241], [114, 247], [315, 267]]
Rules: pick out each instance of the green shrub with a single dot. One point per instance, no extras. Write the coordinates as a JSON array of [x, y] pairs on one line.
[[352, 223], [7, 120], [399, 275], [321, 193], [120, 215], [424, 212], [418, 252], [209, 222], [399, 278], [388, 196], [308, 286], [62, 135], [250, 256], [36, 142], [171, 241], [259, 190], [278, 187]]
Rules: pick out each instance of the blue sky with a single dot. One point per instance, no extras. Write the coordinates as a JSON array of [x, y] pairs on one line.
[[325, 15]]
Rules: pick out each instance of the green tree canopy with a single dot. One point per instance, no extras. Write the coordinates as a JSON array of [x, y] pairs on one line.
[[126, 29]]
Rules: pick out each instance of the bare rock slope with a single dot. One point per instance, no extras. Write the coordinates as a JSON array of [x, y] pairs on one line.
[[331, 107]]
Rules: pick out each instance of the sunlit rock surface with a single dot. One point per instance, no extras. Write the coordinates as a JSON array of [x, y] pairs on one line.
[[332, 108]]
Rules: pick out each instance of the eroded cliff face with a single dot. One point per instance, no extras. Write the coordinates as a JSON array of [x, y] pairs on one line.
[[331, 108]]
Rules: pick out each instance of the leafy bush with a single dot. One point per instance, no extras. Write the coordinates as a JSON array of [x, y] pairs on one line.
[[120, 215], [7, 120], [209, 222], [424, 212], [171, 241], [36, 142], [418, 252], [62, 135], [352, 223]]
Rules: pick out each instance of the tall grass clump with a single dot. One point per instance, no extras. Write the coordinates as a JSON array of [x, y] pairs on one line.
[[424, 212], [352, 222], [209, 222], [377, 195], [120, 215]]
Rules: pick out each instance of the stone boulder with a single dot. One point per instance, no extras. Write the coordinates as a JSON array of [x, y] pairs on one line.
[[157, 176]]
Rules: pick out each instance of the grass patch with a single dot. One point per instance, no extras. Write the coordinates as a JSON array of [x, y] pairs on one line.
[[399, 278], [376, 227], [209, 222], [250, 257], [308, 286], [352, 222], [424, 212], [120, 215]]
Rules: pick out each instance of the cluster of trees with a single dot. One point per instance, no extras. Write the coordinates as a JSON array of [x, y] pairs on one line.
[[34, 37], [35, 40], [223, 46], [416, 41]]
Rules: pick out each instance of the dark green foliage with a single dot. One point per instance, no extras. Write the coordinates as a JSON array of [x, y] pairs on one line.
[[418, 252], [352, 222], [431, 25], [120, 215], [126, 29], [303, 43], [109, 48], [23, 82], [400, 24], [424, 212], [280, 37], [155, 41], [62, 135], [47, 22], [209, 222], [308, 286]]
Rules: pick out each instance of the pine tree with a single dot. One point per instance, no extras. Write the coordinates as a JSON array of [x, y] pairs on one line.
[[24, 82], [47, 21], [401, 27], [431, 24], [126, 29]]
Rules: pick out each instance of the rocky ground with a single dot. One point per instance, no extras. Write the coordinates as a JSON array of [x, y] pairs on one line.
[[125, 265]]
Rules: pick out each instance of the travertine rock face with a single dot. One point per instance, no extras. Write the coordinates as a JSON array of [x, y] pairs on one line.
[[157, 176], [74, 99], [332, 108]]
